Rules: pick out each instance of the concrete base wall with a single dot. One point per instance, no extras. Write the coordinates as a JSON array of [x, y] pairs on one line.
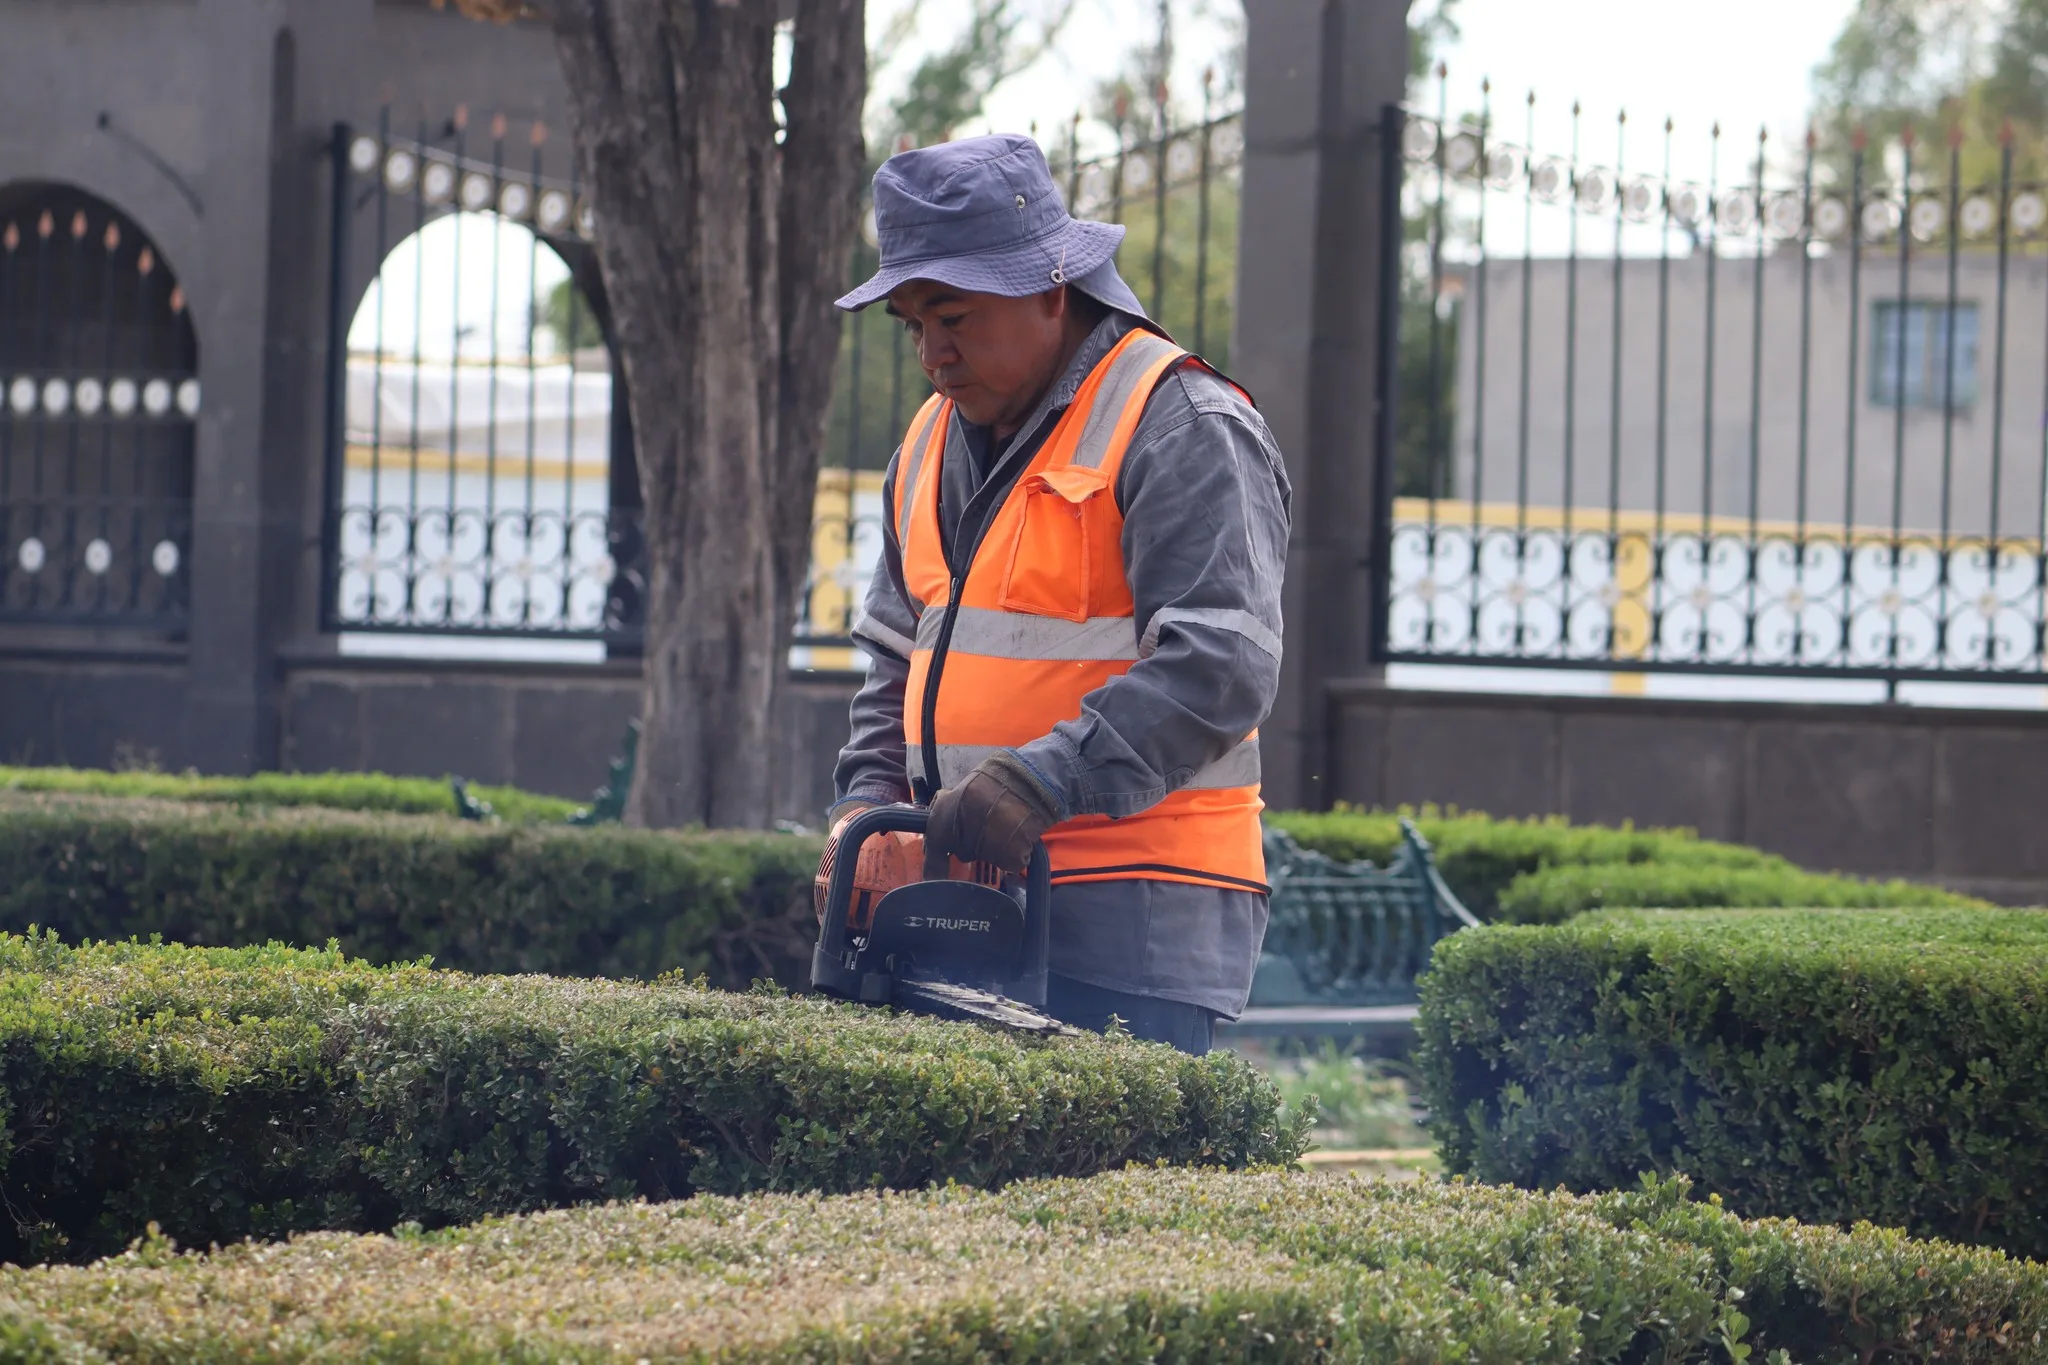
[[546, 728], [1954, 797], [116, 710]]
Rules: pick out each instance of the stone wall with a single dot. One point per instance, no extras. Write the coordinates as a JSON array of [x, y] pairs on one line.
[[1954, 797], [548, 729]]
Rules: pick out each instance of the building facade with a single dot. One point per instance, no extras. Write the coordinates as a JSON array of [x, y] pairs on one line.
[[1815, 393]]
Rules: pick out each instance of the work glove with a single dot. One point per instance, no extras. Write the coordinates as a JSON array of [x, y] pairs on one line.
[[996, 816]]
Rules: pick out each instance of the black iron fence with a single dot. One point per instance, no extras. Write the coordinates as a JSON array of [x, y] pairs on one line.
[[1718, 403], [479, 472], [1173, 187], [480, 475], [99, 393]]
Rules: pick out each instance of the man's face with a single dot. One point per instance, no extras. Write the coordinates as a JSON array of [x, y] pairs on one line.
[[993, 356]]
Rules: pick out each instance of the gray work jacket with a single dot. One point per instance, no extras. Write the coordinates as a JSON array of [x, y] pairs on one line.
[[1205, 502]]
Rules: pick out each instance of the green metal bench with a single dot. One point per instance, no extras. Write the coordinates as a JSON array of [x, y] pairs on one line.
[[1345, 942], [607, 804]]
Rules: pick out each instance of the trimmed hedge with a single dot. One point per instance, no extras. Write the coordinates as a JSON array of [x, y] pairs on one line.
[[1544, 870], [225, 1093], [1557, 894], [1535, 871], [1821, 1065], [634, 904], [604, 901], [340, 791], [1139, 1266]]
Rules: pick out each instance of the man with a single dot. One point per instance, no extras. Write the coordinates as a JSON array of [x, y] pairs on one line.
[[1075, 627]]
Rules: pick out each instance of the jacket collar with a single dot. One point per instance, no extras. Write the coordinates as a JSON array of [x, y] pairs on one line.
[[1060, 396]]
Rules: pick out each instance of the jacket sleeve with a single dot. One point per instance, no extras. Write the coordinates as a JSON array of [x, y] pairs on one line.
[[871, 766], [1206, 516]]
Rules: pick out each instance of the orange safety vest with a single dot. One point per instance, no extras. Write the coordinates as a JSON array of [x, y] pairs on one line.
[[1043, 617]]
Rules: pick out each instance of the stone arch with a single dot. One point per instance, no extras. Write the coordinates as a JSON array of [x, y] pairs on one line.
[[487, 482], [99, 396]]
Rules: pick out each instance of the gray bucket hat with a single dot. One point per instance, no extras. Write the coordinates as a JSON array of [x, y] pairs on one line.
[[983, 214]]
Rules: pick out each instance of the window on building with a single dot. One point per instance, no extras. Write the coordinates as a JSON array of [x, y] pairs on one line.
[[1909, 354]]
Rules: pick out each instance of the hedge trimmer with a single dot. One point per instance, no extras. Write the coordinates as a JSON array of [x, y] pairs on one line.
[[956, 948]]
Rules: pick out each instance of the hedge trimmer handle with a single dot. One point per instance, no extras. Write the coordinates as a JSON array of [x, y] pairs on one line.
[[908, 819]]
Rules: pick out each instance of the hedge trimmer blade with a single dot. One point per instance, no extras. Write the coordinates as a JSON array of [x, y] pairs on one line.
[[944, 1000]]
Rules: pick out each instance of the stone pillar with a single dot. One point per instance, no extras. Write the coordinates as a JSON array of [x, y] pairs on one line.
[[276, 69], [251, 68], [1319, 76]]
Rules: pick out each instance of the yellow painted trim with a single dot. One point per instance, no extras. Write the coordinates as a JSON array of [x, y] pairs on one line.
[[833, 480], [1451, 514], [399, 460], [1341, 1158]]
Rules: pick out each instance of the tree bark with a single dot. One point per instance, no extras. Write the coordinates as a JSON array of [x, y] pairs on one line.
[[823, 159], [721, 253]]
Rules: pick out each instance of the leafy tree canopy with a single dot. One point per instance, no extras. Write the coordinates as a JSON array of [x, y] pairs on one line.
[[1920, 71]]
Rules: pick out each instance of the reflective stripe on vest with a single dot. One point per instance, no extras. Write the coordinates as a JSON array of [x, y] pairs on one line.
[[1044, 616], [1238, 768], [932, 422]]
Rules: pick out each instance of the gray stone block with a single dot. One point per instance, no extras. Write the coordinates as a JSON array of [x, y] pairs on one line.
[[1497, 759], [435, 727], [1992, 802], [1855, 795], [1656, 769]]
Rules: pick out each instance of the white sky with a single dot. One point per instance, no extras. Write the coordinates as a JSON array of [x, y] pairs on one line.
[[1094, 47], [1744, 62]]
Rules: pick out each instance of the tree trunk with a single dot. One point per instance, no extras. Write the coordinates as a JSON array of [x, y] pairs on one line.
[[822, 161], [721, 253]]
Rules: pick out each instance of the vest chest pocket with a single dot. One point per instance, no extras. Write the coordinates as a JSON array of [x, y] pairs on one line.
[[1052, 564]]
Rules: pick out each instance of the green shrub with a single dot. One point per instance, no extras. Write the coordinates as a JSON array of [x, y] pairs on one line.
[[1360, 1101], [1822, 1065], [223, 1093], [1480, 856], [342, 791], [1509, 870], [1543, 871], [393, 888], [1136, 1266], [1555, 894]]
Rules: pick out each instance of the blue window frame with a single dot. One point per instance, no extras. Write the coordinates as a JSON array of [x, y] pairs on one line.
[[1909, 354]]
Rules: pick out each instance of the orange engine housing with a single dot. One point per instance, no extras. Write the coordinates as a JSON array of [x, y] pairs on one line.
[[886, 862]]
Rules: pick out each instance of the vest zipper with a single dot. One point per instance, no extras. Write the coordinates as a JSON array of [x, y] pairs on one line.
[[956, 551], [928, 787]]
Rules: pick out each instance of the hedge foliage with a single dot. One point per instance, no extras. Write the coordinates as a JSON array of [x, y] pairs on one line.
[[340, 791], [1516, 871], [1545, 870], [1556, 894], [1822, 1065], [1135, 1266], [605, 901], [224, 1093]]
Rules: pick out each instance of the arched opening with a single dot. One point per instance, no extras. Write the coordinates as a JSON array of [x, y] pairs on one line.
[[99, 369], [478, 486]]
